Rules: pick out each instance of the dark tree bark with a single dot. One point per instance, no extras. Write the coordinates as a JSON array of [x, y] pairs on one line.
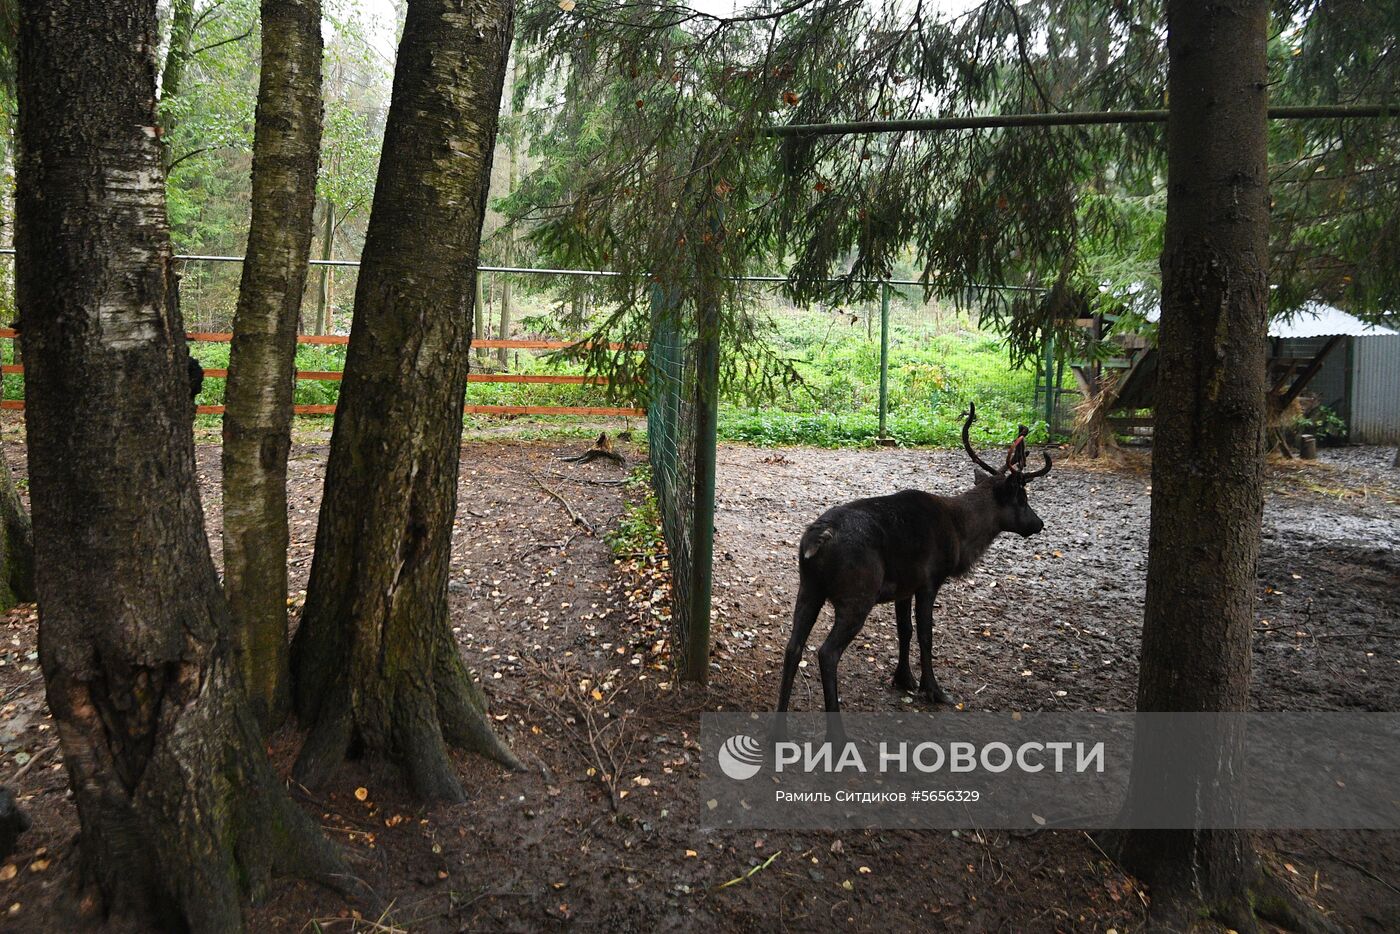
[[172, 77], [374, 661], [16, 544], [180, 813], [262, 359], [1208, 443], [13, 822]]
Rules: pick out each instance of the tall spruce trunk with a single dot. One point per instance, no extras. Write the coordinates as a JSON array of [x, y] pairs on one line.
[[374, 660], [262, 359], [1208, 443], [479, 318], [180, 813]]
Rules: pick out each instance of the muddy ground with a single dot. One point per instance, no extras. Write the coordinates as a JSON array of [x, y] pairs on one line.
[[603, 833]]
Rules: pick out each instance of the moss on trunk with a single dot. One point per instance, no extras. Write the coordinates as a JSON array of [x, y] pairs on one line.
[[262, 359], [374, 662]]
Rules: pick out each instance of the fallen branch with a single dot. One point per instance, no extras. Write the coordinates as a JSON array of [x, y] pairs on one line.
[[562, 545], [574, 514], [748, 875], [604, 741], [563, 476], [23, 770]]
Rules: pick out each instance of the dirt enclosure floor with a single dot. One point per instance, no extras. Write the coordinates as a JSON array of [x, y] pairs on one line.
[[602, 834]]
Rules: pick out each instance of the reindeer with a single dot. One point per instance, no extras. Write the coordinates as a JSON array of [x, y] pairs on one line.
[[902, 548]]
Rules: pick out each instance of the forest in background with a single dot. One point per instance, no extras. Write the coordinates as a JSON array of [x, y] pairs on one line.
[[553, 123]]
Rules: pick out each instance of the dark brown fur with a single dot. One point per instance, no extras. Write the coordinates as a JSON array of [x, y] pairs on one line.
[[899, 548]]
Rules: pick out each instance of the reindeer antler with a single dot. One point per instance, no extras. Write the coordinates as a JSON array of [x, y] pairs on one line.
[[1016, 458], [1037, 473], [1016, 454], [967, 442]]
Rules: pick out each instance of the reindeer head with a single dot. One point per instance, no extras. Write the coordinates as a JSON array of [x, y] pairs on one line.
[[1008, 485]]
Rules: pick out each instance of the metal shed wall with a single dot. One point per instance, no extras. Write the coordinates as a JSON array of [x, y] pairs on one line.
[[1375, 390], [1329, 386]]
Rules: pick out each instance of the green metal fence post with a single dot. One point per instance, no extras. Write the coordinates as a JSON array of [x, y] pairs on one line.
[[1050, 386], [884, 356], [697, 653]]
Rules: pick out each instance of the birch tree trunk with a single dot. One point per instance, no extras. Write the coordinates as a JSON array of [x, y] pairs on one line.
[[325, 294], [16, 544], [479, 317], [180, 814], [374, 660], [262, 358], [512, 178]]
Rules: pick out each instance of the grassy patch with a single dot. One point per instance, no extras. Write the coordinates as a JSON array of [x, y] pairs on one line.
[[638, 532], [939, 361]]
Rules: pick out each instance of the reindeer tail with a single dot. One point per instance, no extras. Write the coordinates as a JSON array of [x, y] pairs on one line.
[[814, 538]]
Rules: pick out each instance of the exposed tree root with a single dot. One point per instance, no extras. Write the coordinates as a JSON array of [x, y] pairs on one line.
[[462, 711], [602, 450], [1276, 902], [1178, 903], [406, 718], [211, 816]]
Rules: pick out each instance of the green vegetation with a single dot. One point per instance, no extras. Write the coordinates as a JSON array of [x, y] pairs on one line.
[[939, 361], [1325, 424], [638, 532]]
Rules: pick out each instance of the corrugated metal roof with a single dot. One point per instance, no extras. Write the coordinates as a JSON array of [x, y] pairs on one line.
[[1318, 320], [1314, 319]]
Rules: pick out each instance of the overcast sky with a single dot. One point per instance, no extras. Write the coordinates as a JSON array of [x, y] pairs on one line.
[[383, 13]]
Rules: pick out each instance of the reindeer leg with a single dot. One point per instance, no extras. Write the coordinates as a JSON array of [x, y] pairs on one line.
[[923, 613], [804, 616], [903, 677], [850, 617]]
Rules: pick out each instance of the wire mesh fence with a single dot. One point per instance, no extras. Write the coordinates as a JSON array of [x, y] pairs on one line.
[[901, 369], [681, 449], [516, 370], [938, 357]]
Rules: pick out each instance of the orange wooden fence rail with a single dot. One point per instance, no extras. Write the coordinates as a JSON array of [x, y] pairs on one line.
[[481, 344], [335, 375]]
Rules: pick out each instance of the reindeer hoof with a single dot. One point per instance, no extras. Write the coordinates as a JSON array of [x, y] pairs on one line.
[[904, 680], [939, 696]]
